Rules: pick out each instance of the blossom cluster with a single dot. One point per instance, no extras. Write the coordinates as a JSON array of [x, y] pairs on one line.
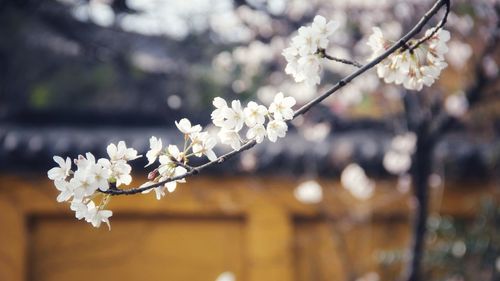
[[232, 119], [173, 161], [411, 67], [80, 186], [304, 55]]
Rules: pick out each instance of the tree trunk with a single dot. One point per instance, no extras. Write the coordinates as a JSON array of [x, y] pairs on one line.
[[421, 170]]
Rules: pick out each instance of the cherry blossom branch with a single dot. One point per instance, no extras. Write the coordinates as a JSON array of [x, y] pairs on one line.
[[481, 81], [190, 171], [440, 25], [323, 54], [302, 110]]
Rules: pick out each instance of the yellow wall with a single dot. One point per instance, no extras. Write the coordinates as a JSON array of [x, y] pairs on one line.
[[253, 227]]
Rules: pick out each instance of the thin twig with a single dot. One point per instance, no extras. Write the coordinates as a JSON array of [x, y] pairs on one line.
[[323, 54], [249, 144]]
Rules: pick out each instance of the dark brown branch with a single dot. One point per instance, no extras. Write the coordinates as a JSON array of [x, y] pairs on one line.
[[436, 29], [191, 171], [249, 144]]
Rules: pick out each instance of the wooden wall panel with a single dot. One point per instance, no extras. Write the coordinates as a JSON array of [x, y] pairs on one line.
[[344, 251], [12, 240], [136, 249]]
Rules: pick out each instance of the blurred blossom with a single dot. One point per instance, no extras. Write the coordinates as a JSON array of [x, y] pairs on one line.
[[151, 63], [435, 180], [459, 54], [309, 192], [174, 101], [402, 10], [392, 29], [298, 8], [463, 24], [276, 7], [371, 276], [223, 61], [490, 66], [455, 278], [178, 18], [230, 28], [239, 86], [98, 12], [226, 276], [397, 159], [405, 142], [497, 264], [256, 20], [404, 183], [249, 161], [392, 93], [301, 92], [456, 105], [266, 94], [253, 57], [101, 13], [362, 3], [353, 93], [317, 132], [458, 249], [354, 179], [396, 162]]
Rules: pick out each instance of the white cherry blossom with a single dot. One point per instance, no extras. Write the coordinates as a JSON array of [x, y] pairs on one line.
[[61, 172], [255, 114], [184, 125], [257, 132], [79, 208], [307, 41], [95, 216], [324, 28], [234, 118], [121, 152], [155, 147], [101, 175], [303, 56], [413, 69], [230, 137], [218, 114], [205, 147], [175, 153], [276, 129], [310, 70], [66, 190], [170, 186], [377, 42], [282, 107], [120, 171]]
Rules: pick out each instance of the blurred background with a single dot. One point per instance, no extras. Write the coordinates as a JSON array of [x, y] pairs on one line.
[[76, 75]]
